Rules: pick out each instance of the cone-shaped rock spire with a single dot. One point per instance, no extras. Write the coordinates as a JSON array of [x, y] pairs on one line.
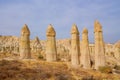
[[36, 46], [99, 46], [25, 43], [74, 29], [50, 31], [97, 26], [85, 53], [25, 30], [51, 52], [37, 40], [75, 48], [85, 30]]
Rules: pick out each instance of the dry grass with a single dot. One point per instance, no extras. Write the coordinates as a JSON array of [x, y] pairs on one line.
[[41, 70], [94, 75], [8, 55], [35, 69]]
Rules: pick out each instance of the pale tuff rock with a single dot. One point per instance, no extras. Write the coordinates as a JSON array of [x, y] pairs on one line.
[[62, 53], [9, 44], [25, 30], [50, 31], [74, 29], [36, 45], [109, 50], [117, 50], [51, 52], [85, 53], [99, 46], [24, 43], [97, 26], [63, 50], [75, 47]]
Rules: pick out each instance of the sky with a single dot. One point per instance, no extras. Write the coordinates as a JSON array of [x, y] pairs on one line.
[[62, 14]]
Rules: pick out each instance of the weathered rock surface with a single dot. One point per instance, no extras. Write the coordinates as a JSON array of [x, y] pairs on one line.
[[24, 43], [51, 52], [85, 52], [99, 46], [75, 46]]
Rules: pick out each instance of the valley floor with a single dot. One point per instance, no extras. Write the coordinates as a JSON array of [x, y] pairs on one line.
[[33, 69]]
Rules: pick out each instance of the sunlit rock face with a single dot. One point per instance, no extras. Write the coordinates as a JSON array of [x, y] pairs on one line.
[[24, 43], [63, 49], [117, 50], [9, 44], [75, 47], [51, 52], [99, 45], [85, 53], [36, 45]]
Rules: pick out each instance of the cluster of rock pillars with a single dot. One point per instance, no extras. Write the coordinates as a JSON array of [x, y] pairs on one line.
[[77, 58]]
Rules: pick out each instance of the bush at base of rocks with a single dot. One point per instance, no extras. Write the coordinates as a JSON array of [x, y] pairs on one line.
[[40, 56], [105, 69], [117, 67]]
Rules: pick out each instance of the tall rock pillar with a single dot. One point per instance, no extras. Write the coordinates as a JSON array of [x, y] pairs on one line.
[[85, 53], [75, 46], [51, 52], [24, 43], [99, 46]]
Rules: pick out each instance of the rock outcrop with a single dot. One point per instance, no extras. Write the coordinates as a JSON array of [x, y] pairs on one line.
[[85, 53], [24, 43], [51, 52], [99, 46], [75, 46]]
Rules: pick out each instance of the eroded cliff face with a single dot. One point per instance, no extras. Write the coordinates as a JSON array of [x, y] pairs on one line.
[[10, 44]]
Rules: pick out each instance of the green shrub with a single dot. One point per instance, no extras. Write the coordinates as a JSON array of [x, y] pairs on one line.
[[117, 67], [105, 69], [40, 56]]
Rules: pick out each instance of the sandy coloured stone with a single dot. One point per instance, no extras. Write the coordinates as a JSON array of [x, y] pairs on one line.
[[24, 43], [37, 43], [36, 46], [99, 46], [51, 52], [75, 48], [85, 53], [117, 50]]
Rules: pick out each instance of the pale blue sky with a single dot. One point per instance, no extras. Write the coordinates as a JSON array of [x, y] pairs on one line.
[[38, 14]]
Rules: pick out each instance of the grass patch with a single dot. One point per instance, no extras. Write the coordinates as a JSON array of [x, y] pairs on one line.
[[105, 69]]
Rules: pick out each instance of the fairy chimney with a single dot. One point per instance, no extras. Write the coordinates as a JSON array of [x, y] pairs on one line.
[[85, 53], [24, 44], [99, 45], [75, 48], [51, 52]]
